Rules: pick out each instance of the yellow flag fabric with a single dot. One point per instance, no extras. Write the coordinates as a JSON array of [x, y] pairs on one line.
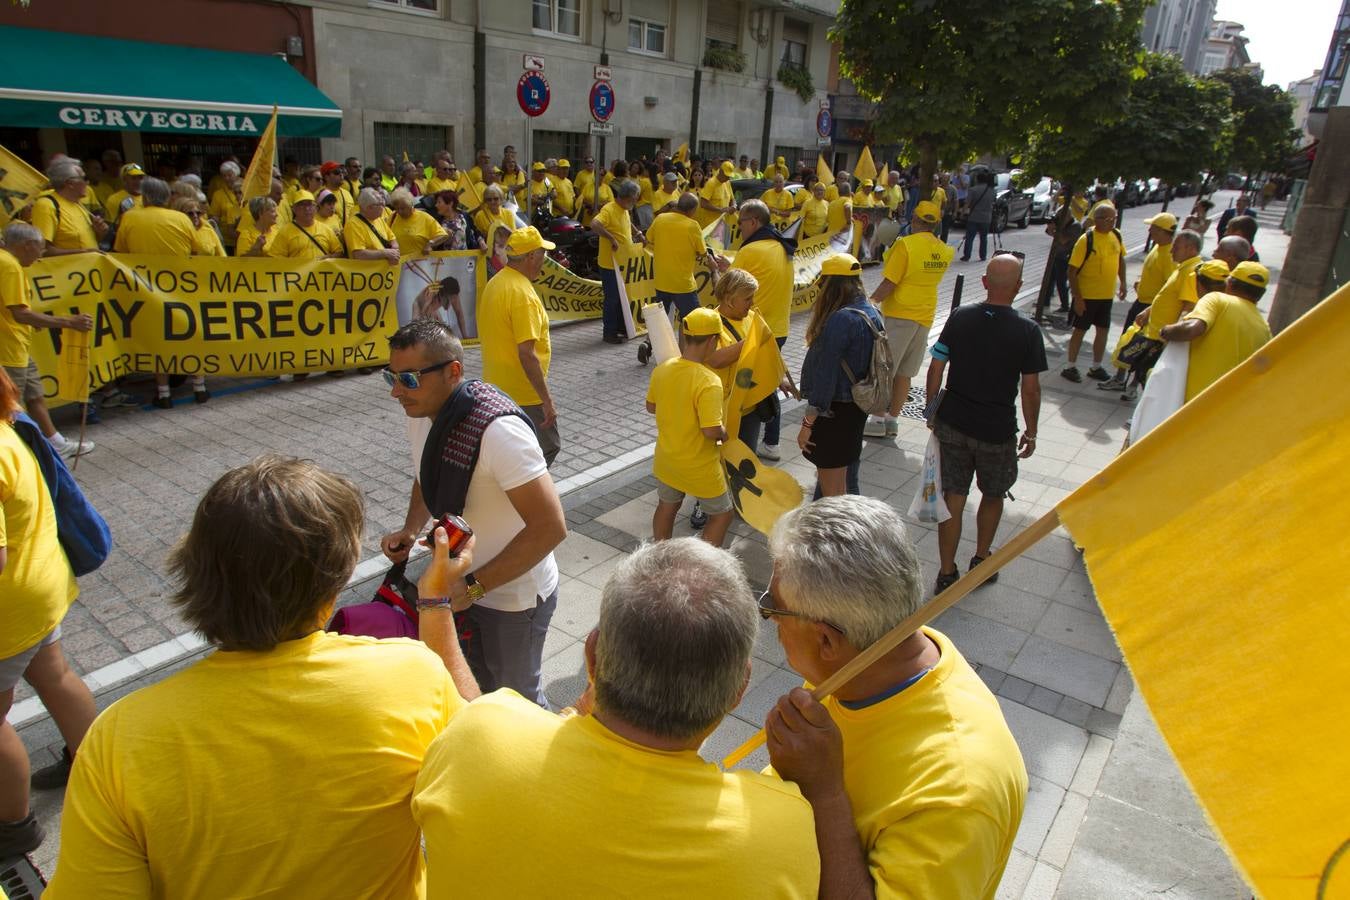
[[19, 184], [72, 367], [1216, 545], [258, 178], [865, 169], [682, 153], [759, 492], [759, 370], [823, 171], [881, 176]]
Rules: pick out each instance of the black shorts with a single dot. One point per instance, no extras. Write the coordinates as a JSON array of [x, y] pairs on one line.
[[837, 438], [1098, 313], [993, 465]]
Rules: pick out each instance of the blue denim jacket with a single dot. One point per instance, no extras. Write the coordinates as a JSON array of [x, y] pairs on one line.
[[845, 338]]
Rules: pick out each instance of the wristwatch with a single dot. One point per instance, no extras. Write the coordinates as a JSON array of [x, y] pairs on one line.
[[475, 590]]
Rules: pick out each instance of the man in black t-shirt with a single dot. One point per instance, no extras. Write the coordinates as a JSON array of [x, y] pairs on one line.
[[993, 352]]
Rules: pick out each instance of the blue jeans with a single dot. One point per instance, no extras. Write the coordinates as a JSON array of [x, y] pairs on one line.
[[1059, 278], [771, 427], [684, 302], [749, 431], [613, 309], [973, 228], [850, 480], [507, 648]]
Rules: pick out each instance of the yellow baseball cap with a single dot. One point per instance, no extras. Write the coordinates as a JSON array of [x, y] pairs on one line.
[[728, 169], [564, 164], [1165, 221], [538, 167], [132, 169], [780, 160], [301, 197], [841, 264], [927, 210], [702, 321], [1213, 269], [867, 183], [525, 240], [1252, 273]]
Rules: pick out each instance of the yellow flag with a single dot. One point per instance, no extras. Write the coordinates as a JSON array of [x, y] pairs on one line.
[[19, 183], [823, 171], [759, 369], [1217, 547], [865, 170], [72, 367], [759, 492], [881, 176], [258, 178], [682, 153], [405, 156]]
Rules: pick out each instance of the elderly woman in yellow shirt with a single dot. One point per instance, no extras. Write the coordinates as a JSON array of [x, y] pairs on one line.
[[493, 213], [208, 241], [415, 230], [255, 234]]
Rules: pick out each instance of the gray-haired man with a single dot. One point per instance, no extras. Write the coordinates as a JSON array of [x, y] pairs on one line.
[[618, 802], [916, 782]]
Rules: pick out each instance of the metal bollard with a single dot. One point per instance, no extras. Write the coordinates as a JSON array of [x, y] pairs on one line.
[[956, 293]]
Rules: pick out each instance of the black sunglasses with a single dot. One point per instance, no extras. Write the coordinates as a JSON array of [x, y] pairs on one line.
[[767, 611], [411, 380]]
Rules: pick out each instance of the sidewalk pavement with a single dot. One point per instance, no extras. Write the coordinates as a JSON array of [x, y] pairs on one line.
[[1037, 637]]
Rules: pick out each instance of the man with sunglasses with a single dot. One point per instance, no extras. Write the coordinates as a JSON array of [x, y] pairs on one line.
[[475, 454], [916, 782]]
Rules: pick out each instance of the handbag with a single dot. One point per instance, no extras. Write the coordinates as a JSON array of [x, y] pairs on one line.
[[83, 533]]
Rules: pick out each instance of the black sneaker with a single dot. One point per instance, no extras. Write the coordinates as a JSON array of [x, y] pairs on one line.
[[975, 561], [49, 778], [1097, 373], [201, 396], [1071, 373], [18, 838], [945, 580], [163, 402]]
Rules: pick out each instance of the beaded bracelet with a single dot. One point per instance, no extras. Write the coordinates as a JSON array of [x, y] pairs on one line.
[[433, 603]]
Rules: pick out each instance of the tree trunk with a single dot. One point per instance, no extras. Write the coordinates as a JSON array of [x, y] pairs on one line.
[[928, 160]]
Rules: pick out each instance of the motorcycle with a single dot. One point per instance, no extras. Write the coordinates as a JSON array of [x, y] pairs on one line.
[[578, 248]]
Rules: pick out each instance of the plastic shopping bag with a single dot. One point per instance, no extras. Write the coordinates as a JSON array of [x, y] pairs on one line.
[[1164, 392], [928, 505]]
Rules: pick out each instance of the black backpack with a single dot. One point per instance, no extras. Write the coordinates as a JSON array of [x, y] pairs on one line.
[[1090, 232]]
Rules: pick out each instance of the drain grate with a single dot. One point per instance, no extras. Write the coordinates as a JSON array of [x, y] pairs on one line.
[[20, 879], [913, 408]]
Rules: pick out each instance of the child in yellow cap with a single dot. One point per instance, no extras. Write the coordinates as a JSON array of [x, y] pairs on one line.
[[686, 396]]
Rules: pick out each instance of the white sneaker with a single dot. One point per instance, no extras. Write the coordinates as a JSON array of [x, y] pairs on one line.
[[71, 449], [875, 427], [769, 452]]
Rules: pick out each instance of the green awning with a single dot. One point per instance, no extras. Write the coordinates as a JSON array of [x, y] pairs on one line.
[[51, 79]]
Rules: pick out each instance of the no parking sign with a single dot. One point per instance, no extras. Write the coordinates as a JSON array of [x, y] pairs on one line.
[[532, 93]]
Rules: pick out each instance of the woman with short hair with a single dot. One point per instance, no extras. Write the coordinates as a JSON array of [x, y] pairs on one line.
[[282, 764], [459, 229], [415, 230]]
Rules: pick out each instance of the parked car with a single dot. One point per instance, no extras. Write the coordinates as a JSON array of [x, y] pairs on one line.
[[1126, 194], [1011, 205], [1157, 191], [1043, 200]]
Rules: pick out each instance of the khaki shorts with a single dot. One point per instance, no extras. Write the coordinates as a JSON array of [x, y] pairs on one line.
[[27, 380], [13, 667], [713, 506], [909, 345]]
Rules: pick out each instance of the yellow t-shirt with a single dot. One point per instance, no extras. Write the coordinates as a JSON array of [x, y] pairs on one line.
[[510, 182], [620, 226], [815, 213], [1178, 289], [415, 232], [114, 205], [486, 222], [1099, 273], [677, 243], [779, 203], [291, 770], [623, 819], [718, 193], [156, 231], [538, 191], [832, 192], [208, 242], [226, 209], [936, 781], [15, 337], [772, 268], [939, 197], [688, 397], [105, 189], [475, 174], [863, 199], [584, 182], [839, 215], [645, 190], [662, 197], [774, 169], [915, 265], [70, 229], [438, 184], [358, 235], [248, 236], [565, 198], [37, 583], [510, 313], [1158, 266], [293, 242], [1236, 331], [894, 196]]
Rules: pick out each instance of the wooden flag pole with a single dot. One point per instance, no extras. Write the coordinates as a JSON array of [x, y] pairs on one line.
[[968, 582]]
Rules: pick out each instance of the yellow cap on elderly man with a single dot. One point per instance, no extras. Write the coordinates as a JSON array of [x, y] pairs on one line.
[[1252, 273], [1165, 221], [132, 169], [728, 169], [301, 196], [538, 167], [1214, 270], [841, 264], [526, 240], [564, 164], [780, 160], [927, 210], [703, 321]]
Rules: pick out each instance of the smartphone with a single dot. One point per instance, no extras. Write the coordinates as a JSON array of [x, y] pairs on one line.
[[456, 530]]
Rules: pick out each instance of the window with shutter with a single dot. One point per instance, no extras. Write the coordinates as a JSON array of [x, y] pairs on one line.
[[724, 25]]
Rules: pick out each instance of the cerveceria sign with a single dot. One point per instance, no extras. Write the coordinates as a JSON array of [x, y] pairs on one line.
[[159, 120]]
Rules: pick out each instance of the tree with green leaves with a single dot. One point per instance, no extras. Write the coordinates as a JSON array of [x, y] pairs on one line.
[[1263, 122], [1171, 126], [953, 78]]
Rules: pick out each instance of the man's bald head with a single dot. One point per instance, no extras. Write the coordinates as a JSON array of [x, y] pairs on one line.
[[1003, 278], [1233, 250]]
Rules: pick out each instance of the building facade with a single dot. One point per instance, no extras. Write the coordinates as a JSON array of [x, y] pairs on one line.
[[1179, 28], [1226, 48]]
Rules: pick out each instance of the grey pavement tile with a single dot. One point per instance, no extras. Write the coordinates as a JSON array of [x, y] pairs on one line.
[[1106, 724], [1050, 748], [1075, 712], [1044, 700], [1043, 883], [767, 647], [1032, 576], [764, 692], [1121, 691], [1015, 689], [1015, 876], [1064, 669], [564, 675], [1006, 604], [992, 678], [596, 576], [578, 608], [1042, 804], [981, 640], [1076, 591], [577, 553], [1082, 630], [556, 641]]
